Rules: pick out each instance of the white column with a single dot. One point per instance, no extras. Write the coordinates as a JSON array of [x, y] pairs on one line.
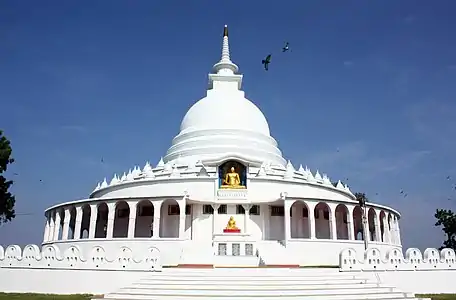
[[182, 203], [156, 221], [57, 225], [399, 242], [46, 229], [93, 220], [214, 217], [287, 208], [51, 226], [350, 224], [265, 213], [332, 220], [395, 230], [66, 224], [386, 229], [110, 222], [132, 219], [378, 231], [246, 216], [78, 223], [311, 206]]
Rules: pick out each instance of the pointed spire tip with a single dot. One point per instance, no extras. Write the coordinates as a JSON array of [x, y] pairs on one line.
[[225, 30]]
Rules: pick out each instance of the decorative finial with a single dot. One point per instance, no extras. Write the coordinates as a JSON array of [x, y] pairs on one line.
[[225, 66]]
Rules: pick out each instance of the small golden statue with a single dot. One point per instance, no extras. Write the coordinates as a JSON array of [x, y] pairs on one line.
[[232, 180], [231, 223]]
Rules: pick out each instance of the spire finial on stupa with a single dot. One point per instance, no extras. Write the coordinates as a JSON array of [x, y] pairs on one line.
[[225, 66]]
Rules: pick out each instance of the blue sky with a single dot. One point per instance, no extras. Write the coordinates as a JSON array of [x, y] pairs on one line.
[[367, 93]]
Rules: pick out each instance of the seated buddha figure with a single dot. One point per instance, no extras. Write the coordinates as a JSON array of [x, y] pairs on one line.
[[232, 180], [231, 224]]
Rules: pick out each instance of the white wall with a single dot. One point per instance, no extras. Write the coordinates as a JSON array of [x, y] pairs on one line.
[[432, 272], [48, 281]]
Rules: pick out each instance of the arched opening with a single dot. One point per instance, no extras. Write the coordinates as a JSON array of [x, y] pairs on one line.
[[121, 219], [299, 220], [358, 223], [322, 223], [144, 226], [169, 219], [371, 218], [72, 225], [101, 227], [342, 222], [382, 226], [85, 222]]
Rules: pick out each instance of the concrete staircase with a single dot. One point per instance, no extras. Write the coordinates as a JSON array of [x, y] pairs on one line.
[[256, 283]]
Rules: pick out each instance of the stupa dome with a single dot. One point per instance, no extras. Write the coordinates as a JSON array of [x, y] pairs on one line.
[[225, 111], [225, 124]]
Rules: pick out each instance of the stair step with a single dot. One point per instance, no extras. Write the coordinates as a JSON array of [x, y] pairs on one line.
[[395, 296], [251, 278], [257, 293], [281, 282], [137, 288]]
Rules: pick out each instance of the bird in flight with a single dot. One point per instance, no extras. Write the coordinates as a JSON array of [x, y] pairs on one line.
[[286, 47], [266, 62]]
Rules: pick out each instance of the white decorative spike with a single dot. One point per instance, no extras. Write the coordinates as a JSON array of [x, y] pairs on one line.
[[168, 167], [326, 179], [147, 171], [301, 170], [339, 185], [136, 172], [347, 188], [318, 177], [97, 187], [129, 175], [290, 166], [124, 177], [175, 171], [310, 176], [199, 163], [262, 171], [114, 180], [161, 163], [104, 183], [203, 172], [289, 170]]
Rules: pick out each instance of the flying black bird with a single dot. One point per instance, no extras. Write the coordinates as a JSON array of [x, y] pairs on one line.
[[266, 62], [286, 47], [102, 160], [448, 177]]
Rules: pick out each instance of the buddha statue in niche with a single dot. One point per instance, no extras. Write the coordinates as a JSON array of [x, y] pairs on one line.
[[231, 224], [232, 180]]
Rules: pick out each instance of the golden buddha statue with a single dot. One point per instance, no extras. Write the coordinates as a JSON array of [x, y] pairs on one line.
[[231, 224], [232, 180]]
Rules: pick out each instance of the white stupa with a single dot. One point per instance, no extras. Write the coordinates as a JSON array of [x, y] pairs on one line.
[[286, 214]]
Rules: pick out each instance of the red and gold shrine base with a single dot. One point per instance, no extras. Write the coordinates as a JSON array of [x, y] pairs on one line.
[[226, 230]]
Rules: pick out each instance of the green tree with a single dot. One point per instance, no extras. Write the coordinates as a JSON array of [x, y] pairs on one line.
[[7, 200], [361, 198], [447, 220]]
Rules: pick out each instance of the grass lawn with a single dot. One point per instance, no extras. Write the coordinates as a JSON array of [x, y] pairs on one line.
[[438, 297], [5, 296]]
